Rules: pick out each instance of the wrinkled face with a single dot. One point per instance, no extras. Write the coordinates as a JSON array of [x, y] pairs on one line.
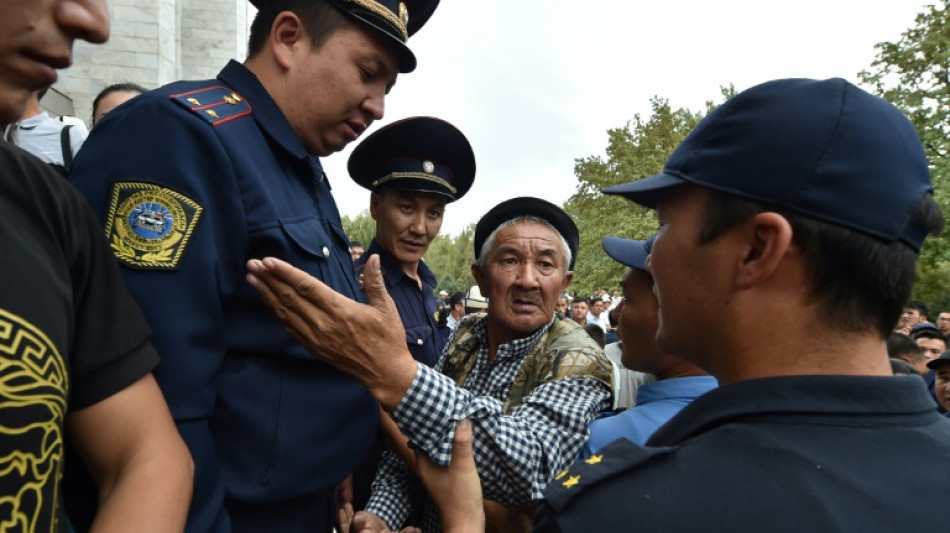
[[943, 323], [109, 102], [340, 88], [638, 321], [523, 278], [579, 312], [942, 386], [562, 306], [596, 307], [689, 276], [36, 38], [406, 223]]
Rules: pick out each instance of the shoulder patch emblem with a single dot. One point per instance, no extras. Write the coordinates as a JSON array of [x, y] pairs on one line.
[[216, 105], [149, 226]]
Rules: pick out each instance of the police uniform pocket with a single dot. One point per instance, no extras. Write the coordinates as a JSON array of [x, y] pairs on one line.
[[419, 339], [320, 253]]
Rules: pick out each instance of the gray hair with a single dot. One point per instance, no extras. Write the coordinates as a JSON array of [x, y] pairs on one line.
[[483, 253]]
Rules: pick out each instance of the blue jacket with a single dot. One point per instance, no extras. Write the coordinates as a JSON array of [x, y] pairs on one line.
[[417, 308], [192, 180]]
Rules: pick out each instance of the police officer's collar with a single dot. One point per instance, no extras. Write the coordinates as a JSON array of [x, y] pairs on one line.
[[799, 397], [265, 110]]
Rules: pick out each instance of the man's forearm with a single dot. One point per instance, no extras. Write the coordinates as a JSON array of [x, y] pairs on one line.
[[151, 495]]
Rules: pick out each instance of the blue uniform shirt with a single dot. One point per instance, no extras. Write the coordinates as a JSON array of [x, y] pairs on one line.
[[192, 180], [657, 402], [417, 308]]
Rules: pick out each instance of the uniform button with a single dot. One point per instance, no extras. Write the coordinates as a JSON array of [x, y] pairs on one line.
[[326, 252], [419, 342]]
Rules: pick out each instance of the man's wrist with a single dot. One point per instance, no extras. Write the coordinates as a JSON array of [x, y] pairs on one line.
[[390, 387]]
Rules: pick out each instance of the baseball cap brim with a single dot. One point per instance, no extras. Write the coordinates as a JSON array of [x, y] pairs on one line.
[[647, 191], [628, 252]]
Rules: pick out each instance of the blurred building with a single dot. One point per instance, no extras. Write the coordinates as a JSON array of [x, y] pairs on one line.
[[154, 42]]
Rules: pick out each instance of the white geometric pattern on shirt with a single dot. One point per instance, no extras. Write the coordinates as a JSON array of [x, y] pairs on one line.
[[516, 454]]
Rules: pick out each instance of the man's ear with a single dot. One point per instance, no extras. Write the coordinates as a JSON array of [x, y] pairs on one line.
[[568, 278], [768, 240], [287, 38]]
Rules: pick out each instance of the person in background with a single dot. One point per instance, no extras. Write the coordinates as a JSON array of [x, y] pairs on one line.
[[941, 367], [678, 382], [580, 306], [112, 97], [414, 168], [456, 310], [52, 141], [356, 250]]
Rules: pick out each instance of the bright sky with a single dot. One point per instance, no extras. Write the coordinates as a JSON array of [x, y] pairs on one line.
[[535, 85]]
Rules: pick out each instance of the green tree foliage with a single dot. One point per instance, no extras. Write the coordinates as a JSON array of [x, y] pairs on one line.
[[450, 258], [914, 74], [360, 228], [635, 151]]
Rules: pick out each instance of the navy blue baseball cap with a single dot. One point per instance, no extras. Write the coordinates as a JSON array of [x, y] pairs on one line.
[[527, 206], [629, 252], [396, 19], [943, 360], [422, 154], [826, 150]]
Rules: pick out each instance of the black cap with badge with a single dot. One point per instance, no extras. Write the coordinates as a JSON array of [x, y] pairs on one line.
[[397, 19], [422, 154]]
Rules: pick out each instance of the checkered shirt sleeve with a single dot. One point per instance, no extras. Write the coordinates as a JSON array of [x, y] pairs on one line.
[[391, 490]]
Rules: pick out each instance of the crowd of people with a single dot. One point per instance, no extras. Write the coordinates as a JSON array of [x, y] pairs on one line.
[[190, 342]]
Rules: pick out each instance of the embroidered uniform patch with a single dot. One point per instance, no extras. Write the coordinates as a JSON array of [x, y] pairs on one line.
[[149, 226]]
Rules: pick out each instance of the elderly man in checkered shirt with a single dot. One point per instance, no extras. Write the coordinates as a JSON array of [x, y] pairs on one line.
[[529, 382]]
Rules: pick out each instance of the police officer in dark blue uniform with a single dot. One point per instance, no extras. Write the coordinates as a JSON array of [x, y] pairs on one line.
[[195, 178], [414, 167]]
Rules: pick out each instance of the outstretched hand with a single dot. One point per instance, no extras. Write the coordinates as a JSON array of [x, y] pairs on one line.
[[364, 341]]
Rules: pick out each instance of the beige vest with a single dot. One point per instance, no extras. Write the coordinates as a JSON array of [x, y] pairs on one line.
[[564, 351]]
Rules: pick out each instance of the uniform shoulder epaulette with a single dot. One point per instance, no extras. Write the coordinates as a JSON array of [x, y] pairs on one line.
[[216, 104], [616, 458]]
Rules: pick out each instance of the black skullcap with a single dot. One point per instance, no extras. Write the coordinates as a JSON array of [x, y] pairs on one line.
[[528, 207]]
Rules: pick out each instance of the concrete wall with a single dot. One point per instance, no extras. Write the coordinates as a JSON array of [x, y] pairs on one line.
[[154, 42]]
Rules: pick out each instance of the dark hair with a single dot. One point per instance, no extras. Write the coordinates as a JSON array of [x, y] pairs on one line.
[[928, 333], [902, 368], [597, 334], [126, 87], [356, 243], [919, 306], [456, 298], [859, 281], [899, 345], [580, 299], [319, 18]]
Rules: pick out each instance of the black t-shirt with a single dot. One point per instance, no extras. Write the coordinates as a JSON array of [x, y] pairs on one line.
[[70, 333]]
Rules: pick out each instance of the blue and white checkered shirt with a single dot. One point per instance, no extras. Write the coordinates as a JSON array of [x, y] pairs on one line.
[[516, 454]]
